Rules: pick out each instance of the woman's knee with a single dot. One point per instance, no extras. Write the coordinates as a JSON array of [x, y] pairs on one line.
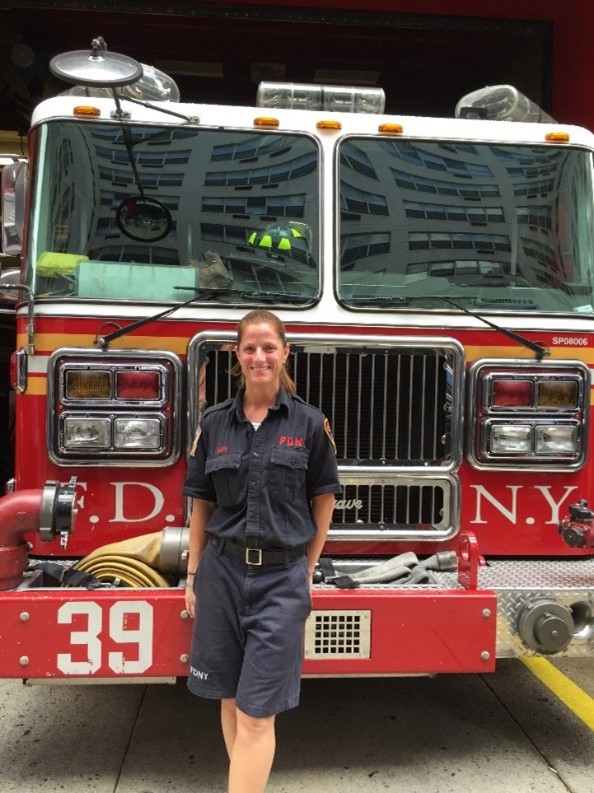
[[253, 725]]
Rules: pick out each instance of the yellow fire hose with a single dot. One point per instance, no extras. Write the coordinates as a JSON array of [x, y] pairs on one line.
[[130, 563]]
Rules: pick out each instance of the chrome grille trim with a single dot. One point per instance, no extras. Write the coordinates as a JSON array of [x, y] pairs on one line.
[[395, 407]]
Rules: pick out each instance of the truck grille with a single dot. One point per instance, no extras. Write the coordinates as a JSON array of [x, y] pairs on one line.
[[394, 411]]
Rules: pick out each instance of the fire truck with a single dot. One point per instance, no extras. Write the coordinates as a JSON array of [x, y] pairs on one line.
[[436, 278]]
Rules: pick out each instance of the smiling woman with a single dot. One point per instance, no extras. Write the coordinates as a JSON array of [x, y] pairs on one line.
[[261, 510]]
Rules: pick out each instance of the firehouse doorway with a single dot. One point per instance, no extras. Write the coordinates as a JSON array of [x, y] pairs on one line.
[[219, 52]]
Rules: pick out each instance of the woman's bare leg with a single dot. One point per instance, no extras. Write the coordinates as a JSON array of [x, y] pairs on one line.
[[250, 743]]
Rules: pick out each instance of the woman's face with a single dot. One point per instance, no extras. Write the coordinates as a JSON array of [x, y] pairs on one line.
[[261, 355]]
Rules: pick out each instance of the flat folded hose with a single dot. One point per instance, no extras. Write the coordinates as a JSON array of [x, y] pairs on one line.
[[128, 563]]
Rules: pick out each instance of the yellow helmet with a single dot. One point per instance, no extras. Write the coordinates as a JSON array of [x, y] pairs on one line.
[[276, 238]]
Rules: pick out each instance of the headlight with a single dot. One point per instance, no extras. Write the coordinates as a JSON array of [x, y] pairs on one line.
[[86, 433], [529, 416], [120, 408], [510, 439], [556, 440], [137, 433]]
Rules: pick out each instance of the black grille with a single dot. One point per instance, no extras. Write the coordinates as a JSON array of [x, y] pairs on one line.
[[387, 407]]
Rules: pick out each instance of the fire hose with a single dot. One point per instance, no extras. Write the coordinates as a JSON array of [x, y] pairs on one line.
[[403, 570], [130, 563]]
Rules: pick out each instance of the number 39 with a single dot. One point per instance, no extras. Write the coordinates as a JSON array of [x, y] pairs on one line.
[[118, 614]]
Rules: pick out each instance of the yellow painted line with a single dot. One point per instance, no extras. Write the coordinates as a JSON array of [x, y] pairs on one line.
[[583, 354], [46, 343], [36, 386], [580, 703]]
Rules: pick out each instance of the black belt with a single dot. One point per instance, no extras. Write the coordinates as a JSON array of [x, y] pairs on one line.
[[260, 556]]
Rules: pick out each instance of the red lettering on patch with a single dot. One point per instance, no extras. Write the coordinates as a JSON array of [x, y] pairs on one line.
[[222, 449], [287, 440]]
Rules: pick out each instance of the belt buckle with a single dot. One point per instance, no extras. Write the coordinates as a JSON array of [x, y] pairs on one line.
[[253, 556]]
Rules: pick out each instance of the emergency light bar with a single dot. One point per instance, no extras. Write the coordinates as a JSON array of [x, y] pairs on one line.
[[500, 103], [336, 98]]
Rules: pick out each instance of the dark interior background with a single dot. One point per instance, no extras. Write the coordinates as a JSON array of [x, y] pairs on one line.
[[218, 52]]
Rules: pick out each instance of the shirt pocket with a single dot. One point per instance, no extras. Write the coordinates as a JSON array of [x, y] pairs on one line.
[[227, 478], [288, 472]]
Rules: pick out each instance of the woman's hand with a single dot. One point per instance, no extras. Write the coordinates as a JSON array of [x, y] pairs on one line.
[[190, 597]]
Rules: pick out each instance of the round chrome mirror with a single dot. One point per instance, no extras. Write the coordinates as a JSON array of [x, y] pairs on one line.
[[99, 67], [144, 219]]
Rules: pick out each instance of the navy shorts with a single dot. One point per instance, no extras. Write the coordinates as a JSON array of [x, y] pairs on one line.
[[247, 641]]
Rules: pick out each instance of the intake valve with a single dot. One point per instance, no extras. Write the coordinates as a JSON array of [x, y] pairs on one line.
[[51, 511], [546, 626], [577, 530]]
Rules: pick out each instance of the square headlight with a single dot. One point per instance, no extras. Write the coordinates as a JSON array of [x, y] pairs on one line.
[[510, 439], [137, 433], [558, 439], [87, 433]]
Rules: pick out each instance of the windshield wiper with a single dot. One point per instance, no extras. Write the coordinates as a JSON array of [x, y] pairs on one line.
[[381, 300], [538, 349], [291, 297], [246, 294], [402, 300], [104, 341]]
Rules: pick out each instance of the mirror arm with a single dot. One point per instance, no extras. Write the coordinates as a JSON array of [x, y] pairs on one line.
[[30, 314]]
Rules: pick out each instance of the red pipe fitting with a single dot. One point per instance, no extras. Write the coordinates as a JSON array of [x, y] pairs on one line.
[[50, 511], [19, 513]]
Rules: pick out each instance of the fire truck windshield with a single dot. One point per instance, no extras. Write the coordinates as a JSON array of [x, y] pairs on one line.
[[138, 212], [500, 226]]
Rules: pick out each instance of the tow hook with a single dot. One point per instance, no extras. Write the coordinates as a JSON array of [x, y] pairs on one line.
[[577, 530], [51, 511]]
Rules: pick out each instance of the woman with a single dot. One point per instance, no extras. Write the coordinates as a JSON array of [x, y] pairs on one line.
[[262, 477]]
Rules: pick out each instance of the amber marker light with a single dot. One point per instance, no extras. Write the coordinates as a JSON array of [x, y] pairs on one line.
[[86, 110], [391, 129], [557, 394], [266, 121], [328, 124], [557, 137]]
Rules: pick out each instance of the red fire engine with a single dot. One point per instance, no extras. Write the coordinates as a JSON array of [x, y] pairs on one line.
[[436, 277]]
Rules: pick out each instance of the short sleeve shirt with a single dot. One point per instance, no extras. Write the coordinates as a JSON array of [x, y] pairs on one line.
[[263, 480]]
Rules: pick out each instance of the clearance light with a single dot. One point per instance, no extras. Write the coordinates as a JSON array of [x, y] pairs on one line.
[[266, 121], [87, 384], [557, 137], [391, 129], [86, 110], [328, 124], [138, 385], [336, 98]]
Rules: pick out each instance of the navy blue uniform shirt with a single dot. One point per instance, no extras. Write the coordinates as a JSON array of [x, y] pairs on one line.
[[263, 480]]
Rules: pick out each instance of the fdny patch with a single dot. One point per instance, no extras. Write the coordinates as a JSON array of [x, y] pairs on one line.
[[329, 435], [195, 444]]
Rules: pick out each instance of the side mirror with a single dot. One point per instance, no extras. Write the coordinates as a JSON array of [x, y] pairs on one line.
[[9, 278], [14, 189]]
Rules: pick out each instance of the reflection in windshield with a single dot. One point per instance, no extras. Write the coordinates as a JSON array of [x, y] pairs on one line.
[[500, 226], [236, 209]]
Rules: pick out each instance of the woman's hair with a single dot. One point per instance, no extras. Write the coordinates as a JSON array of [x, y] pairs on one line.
[[259, 316]]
